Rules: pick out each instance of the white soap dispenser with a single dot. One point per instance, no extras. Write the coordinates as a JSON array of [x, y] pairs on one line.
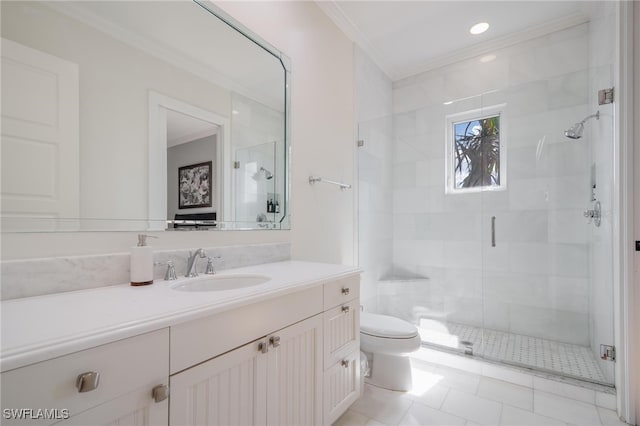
[[142, 262]]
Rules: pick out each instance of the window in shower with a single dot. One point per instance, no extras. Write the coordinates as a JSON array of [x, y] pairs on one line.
[[475, 151]]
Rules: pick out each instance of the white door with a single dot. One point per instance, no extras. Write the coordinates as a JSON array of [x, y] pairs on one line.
[[228, 390], [40, 164], [294, 380]]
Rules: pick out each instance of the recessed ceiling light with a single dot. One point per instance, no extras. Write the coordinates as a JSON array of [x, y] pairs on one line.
[[235, 111], [479, 28], [487, 58], [448, 103]]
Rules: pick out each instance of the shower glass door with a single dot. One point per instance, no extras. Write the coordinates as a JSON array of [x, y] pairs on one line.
[[546, 299]]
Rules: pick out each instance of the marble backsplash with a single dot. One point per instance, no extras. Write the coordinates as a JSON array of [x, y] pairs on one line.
[[35, 277]]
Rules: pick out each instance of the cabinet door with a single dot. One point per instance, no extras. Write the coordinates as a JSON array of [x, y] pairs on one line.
[[341, 386], [227, 390], [134, 409], [294, 379]]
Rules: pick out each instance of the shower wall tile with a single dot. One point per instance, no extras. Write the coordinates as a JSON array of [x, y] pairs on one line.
[[570, 192], [418, 252], [495, 259], [530, 194], [455, 226], [462, 255], [569, 89], [430, 172], [495, 314], [404, 175], [549, 259], [528, 98], [547, 160], [412, 148], [464, 310], [570, 294], [470, 202], [568, 226], [550, 324], [521, 226]]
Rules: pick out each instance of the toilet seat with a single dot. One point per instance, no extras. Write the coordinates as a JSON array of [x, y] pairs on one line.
[[387, 327]]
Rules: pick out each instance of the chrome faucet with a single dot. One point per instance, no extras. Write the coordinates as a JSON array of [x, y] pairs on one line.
[[193, 260]]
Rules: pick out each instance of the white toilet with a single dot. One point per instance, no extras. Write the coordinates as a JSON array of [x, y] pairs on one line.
[[387, 342]]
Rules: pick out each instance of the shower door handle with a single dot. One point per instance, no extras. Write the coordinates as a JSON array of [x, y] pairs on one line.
[[493, 231]]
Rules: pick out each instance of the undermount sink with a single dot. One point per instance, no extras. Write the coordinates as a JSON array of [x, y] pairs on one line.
[[220, 282]]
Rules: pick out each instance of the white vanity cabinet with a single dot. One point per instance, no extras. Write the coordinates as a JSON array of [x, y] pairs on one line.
[[289, 357], [293, 360], [128, 371]]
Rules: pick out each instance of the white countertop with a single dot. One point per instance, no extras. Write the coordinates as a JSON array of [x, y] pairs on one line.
[[38, 328]]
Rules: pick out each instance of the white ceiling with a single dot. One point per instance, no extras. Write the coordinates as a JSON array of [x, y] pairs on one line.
[[408, 37]]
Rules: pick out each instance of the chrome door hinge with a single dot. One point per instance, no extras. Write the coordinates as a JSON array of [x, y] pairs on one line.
[[607, 352], [605, 96], [236, 164]]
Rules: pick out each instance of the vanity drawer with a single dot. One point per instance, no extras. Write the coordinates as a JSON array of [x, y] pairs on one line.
[[196, 341], [341, 386], [129, 364], [341, 291], [341, 331]]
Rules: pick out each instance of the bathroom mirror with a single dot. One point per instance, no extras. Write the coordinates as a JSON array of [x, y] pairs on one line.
[[140, 116]]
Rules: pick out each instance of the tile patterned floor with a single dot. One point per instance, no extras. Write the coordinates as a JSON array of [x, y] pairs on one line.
[[446, 396], [572, 360]]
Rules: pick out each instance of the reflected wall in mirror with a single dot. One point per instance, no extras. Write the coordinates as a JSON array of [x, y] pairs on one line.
[[101, 106]]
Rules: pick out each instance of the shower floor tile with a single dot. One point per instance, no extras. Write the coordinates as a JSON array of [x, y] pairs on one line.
[[567, 359]]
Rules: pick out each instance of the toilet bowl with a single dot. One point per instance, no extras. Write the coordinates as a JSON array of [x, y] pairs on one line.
[[387, 341]]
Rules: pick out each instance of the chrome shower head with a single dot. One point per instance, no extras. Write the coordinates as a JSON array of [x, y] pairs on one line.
[[267, 174], [575, 131]]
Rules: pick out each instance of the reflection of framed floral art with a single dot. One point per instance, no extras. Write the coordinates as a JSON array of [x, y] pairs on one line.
[[194, 186]]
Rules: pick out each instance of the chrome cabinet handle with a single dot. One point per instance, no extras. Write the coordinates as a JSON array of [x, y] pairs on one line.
[[275, 341], [160, 393], [86, 382], [345, 309], [493, 231], [263, 347], [344, 363], [345, 290]]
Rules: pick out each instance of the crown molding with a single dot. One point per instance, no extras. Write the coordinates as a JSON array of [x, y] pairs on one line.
[[351, 30]]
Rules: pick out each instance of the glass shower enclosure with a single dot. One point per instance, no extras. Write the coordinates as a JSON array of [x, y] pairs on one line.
[[501, 238]]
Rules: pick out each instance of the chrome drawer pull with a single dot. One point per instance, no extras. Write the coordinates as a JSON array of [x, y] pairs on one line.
[[344, 363], [86, 382], [345, 309], [160, 393], [345, 290]]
